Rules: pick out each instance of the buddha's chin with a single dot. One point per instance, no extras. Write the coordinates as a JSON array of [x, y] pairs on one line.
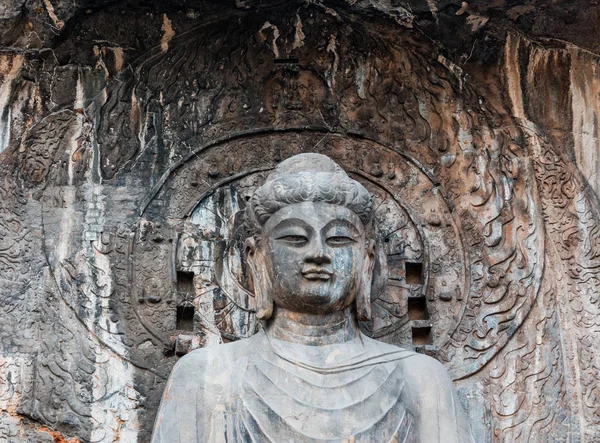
[[320, 300]]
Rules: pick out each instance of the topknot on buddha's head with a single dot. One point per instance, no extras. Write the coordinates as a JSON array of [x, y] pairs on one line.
[[307, 178]]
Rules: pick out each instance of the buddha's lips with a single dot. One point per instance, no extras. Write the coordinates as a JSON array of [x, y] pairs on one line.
[[317, 274]]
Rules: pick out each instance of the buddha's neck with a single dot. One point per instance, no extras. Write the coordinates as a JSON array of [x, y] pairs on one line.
[[312, 329]]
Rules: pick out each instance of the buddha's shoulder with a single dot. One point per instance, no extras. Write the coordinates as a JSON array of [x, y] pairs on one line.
[[416, 367], [423, 367], [223, 358]]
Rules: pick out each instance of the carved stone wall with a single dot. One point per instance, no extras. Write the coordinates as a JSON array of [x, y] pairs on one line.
[[131, 136]]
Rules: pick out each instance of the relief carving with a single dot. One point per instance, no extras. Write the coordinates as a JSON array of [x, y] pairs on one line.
[[122, 235]]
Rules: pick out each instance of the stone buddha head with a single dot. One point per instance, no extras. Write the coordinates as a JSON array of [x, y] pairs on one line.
[[310, 248]]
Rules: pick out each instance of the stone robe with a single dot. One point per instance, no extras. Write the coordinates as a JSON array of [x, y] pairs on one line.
[[266, 390]]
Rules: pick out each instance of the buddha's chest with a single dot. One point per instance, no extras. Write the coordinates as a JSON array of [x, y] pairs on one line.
[[280, 402]]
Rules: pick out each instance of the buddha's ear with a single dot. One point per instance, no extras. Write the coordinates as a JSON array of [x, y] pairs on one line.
[[249, 246], [260, 279], [363, 297]]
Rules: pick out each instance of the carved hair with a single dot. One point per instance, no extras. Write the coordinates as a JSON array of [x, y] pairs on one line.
[[307, 178]]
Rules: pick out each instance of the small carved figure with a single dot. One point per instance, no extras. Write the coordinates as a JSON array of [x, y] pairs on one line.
[[310, 374]]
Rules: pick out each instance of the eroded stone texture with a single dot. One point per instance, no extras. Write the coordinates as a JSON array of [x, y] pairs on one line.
[[131, 135], [315, 262]]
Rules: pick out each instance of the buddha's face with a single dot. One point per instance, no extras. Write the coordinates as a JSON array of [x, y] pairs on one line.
[[315, 256]]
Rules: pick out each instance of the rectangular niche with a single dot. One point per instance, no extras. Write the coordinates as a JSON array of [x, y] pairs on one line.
[[185, 282], [413, 273], [185, 318], [421, 335], [417, 308]]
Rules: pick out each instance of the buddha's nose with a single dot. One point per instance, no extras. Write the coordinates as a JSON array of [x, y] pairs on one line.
[[318, 253], [321, 256]]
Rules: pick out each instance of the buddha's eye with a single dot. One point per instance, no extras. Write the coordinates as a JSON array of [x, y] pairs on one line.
[[296, 240], [340, 240]]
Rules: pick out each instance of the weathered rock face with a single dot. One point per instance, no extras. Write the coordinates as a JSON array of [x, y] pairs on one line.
[[131, 136]]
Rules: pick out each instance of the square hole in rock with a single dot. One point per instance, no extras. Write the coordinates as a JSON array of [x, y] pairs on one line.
[[286, 61], [421, 336], [185, 318], [417, 308], [185, 281], [413, 273]]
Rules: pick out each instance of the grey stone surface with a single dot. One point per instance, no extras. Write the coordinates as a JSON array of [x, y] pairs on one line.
[[312, 375]]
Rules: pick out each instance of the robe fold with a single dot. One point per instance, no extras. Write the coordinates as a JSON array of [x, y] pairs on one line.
[[266, 390]]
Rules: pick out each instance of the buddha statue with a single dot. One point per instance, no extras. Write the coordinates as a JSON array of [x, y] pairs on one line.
[[310, 374]]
